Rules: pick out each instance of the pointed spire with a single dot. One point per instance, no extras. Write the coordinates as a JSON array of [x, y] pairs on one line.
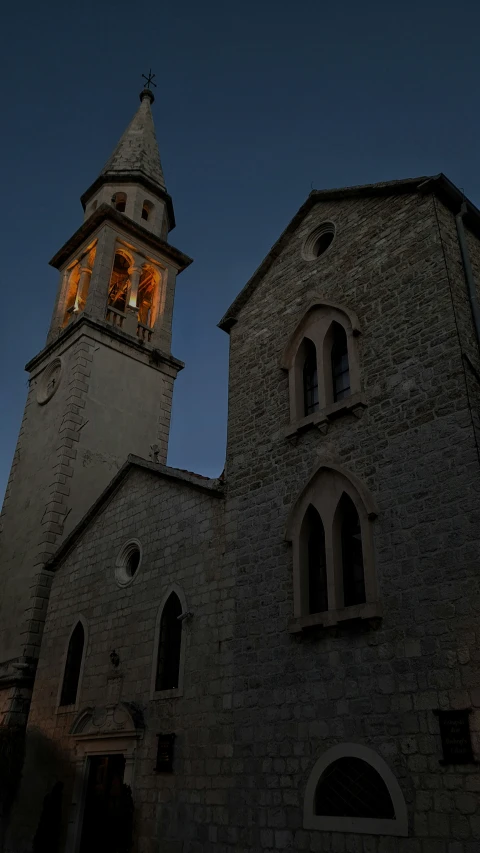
[[137, 153]]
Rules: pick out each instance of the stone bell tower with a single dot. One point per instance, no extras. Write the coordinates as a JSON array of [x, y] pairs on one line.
[[99, 390]]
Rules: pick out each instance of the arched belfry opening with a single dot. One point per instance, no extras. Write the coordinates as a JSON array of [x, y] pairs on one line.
[[147, 210], [119, 284], [119, 201], [147, 285]]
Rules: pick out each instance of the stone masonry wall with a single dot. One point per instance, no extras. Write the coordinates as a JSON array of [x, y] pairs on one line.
[[414, 449], [260, 706], [181, 531], [461, 304]]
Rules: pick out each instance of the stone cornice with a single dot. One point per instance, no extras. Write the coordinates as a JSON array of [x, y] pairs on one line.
[[156, 356], [131, 178], [107, 212]]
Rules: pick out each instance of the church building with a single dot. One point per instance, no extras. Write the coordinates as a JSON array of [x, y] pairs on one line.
[[286, 658]]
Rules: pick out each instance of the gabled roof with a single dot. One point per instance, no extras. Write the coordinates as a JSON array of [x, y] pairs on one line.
[[213, 487], [438, 184]]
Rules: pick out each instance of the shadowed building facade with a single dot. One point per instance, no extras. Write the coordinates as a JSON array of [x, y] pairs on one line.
[[285, 658]]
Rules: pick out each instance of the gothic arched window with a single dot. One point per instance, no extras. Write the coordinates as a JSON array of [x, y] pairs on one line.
[[352, 553], [322, 360], [73, 665], [313, 535], [330, 527], [169, 645], [310, 378], [340, 365]]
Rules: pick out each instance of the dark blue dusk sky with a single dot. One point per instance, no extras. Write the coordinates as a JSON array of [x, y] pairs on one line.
[[256, 103]]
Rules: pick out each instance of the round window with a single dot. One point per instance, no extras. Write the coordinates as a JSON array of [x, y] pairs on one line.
[[319, 241], [49, 381], [128, 562]]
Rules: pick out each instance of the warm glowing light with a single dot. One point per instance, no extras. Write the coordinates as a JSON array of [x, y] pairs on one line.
[[78, 283], [119, 283], [147, 287], [73, 278]]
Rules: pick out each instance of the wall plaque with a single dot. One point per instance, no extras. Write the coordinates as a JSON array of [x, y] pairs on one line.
[[455, 734], [165, 754]]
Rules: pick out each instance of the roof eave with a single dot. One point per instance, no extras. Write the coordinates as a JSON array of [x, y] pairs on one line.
[[104, 212], [103, 327], [229, 318], [131, 178]]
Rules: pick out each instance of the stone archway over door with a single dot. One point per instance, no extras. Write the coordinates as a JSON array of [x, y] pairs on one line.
[[101, 732]]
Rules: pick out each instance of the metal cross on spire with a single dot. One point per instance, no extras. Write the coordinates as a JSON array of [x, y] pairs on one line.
[[149, 79]]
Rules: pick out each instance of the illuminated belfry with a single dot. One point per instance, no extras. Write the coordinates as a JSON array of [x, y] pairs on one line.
[[101, 388]]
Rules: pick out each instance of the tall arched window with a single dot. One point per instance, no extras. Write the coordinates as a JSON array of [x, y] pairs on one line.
[[352, 553], [330, 527], [340, 366], [310, 378], [73, 665], [313, 534], [168, 659]]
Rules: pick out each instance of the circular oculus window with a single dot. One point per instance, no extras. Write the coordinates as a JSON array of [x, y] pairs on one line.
[[49, 381], [128, 562], [319, 241]]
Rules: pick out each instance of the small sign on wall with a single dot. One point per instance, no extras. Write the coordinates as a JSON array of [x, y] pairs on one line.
[[455, 734], [165, 753]]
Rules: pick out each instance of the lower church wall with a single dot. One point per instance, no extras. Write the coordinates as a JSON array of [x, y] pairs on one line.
[[180, 529]]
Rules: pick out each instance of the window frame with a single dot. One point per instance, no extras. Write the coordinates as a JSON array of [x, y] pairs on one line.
[[174, 691], [324, 491], [398, 826], [316, 325]]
